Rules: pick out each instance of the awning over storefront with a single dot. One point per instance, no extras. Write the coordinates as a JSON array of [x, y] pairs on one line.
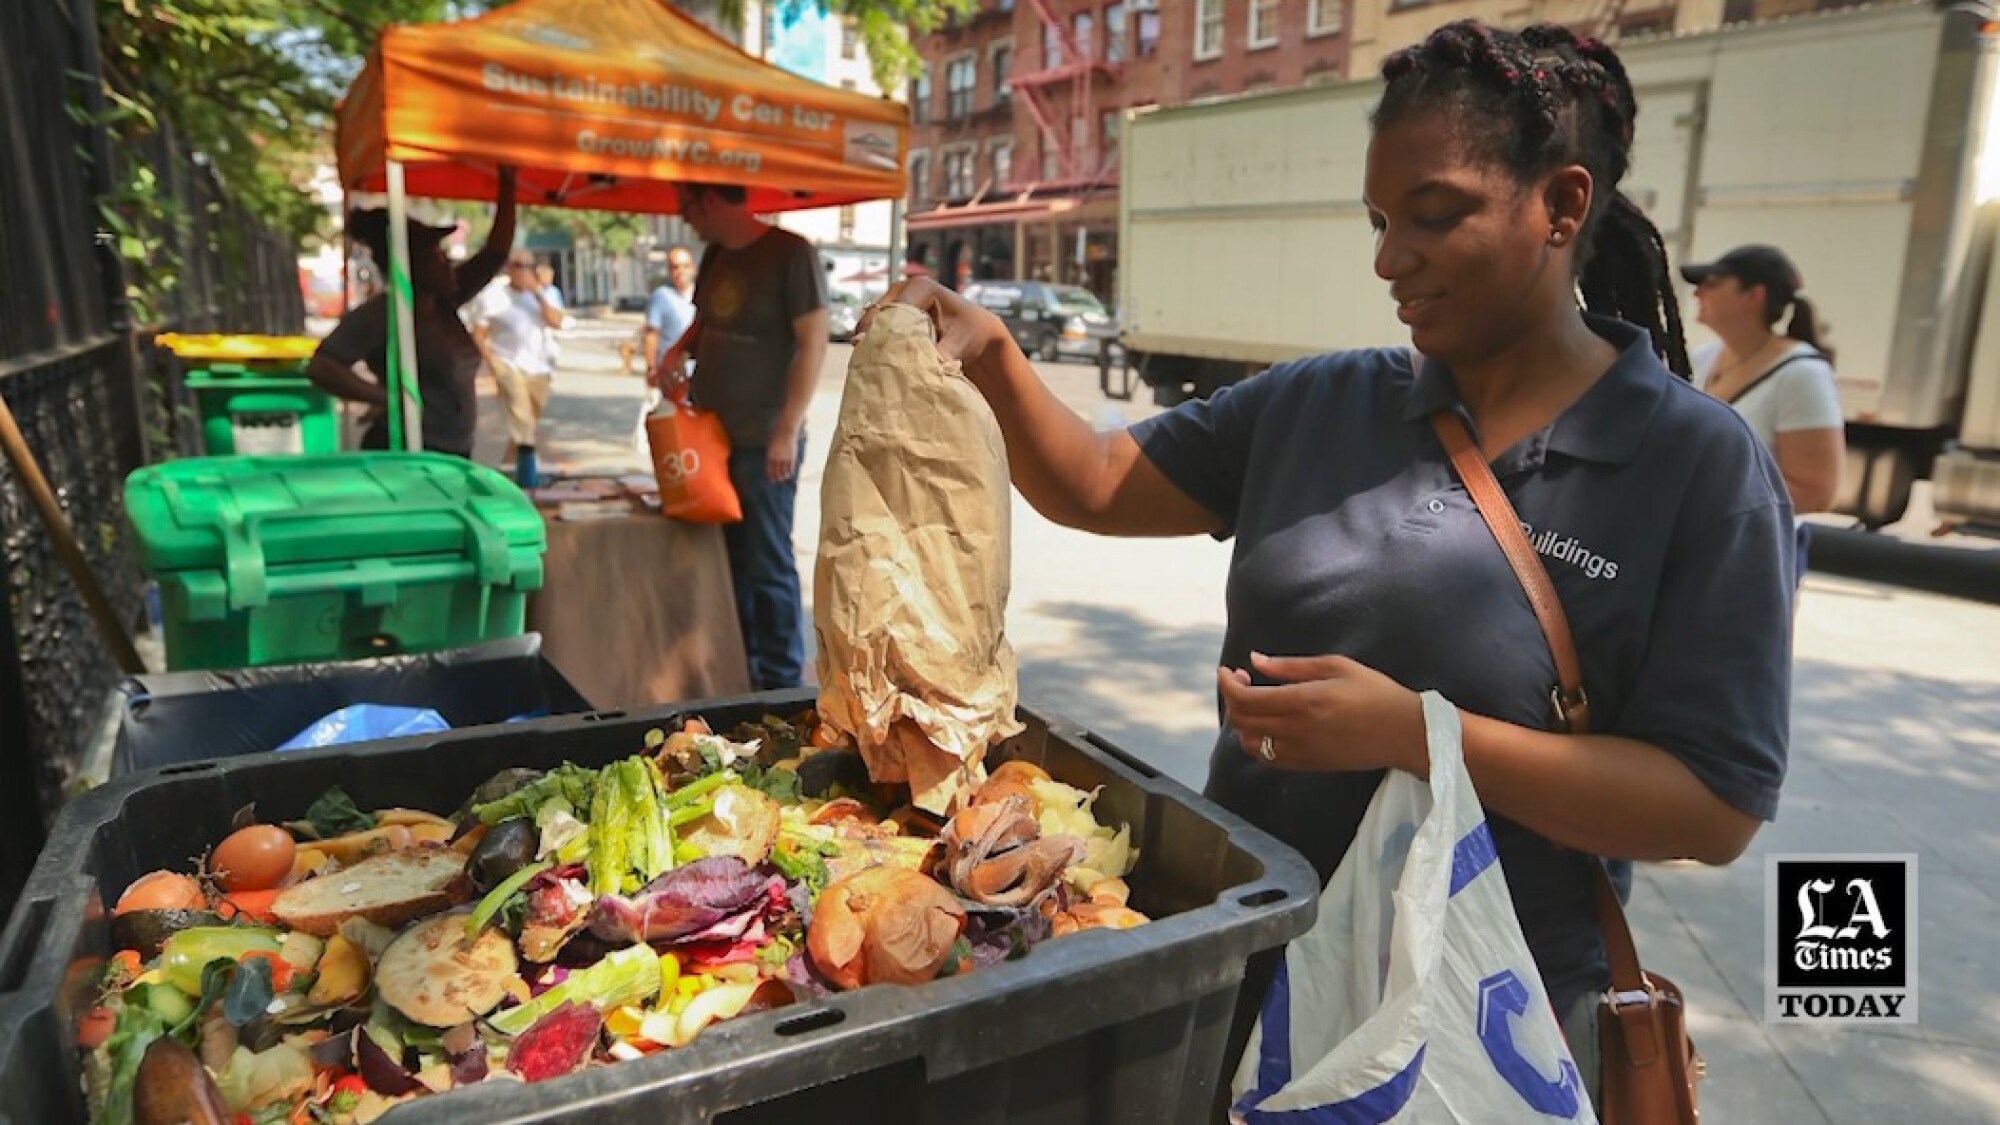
[[976, 214]]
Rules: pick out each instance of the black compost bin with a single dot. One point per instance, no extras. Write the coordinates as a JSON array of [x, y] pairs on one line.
[[1102, 1026], [181, 717]]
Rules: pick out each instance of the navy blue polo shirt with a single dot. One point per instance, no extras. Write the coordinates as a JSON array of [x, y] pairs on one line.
[[1661, 518]]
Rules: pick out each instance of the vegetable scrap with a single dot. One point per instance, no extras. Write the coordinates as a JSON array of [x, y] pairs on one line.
[[325, 969]]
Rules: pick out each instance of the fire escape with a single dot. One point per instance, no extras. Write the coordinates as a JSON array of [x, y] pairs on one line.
[[1077, 64]]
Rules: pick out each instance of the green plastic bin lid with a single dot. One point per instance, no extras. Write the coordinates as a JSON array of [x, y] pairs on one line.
[[244, 515]]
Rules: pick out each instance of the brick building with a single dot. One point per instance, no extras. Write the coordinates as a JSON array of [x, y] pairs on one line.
[[1014, 150]]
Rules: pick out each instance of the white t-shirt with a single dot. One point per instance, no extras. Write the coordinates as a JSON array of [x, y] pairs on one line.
[[514, 327], [1800, 396]]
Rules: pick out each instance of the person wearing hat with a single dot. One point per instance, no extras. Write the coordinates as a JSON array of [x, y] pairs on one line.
[[1782, 385], [447, 359]]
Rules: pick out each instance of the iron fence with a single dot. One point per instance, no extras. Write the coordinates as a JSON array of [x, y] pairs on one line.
[[86, 385]]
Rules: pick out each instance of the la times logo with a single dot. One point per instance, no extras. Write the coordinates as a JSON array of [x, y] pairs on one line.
[[1840, 938]]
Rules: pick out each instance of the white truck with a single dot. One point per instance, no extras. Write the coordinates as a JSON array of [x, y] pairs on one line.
[[1857, 141]]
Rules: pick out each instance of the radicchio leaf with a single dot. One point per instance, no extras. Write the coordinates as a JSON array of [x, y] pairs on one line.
[[681, 903]]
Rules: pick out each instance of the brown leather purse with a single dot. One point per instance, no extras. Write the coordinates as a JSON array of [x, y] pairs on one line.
[[1649, 1065]]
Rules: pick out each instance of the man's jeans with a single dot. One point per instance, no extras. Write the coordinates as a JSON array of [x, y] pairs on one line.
[[761, 564]]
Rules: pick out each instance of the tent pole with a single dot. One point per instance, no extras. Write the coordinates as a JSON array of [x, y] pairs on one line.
[[894, 270], [406, 410], [346, 252]]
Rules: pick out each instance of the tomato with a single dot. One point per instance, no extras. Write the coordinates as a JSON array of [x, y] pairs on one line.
[[256, 858], [161, 890]]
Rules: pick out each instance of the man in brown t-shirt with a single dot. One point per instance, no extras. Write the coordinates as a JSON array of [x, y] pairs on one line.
[[758, 339]]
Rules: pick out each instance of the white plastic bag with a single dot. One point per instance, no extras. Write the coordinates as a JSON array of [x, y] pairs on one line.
[[1413, 997]]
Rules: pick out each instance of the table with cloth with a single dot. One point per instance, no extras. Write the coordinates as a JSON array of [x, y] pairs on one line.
[[635, 609]]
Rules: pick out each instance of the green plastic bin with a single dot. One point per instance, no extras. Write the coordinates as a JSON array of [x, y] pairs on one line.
[[254, 396], [289, 560]]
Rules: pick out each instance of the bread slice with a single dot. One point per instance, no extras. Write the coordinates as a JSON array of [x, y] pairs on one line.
[[387, 890]]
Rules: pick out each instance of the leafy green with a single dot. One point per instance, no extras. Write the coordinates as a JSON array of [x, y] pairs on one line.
[[137, 1027], [781, 785], [631, 839], [497, 898], [571, 782], [700, 787], [249, 991], [214, 982], [803, 862], [625, 976], [606, 862], [335, 814]]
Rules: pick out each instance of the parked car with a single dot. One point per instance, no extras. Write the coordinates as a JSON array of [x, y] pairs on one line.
[[843, 313], [1050, 322]]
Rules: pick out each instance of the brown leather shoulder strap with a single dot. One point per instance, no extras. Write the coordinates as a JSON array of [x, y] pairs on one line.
[[1569, 705], [1619, 951]]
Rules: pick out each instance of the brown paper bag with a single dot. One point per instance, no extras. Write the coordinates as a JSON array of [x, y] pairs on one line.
[[910, 589]]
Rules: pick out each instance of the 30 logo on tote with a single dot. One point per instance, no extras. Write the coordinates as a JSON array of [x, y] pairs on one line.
[[1840, 938]]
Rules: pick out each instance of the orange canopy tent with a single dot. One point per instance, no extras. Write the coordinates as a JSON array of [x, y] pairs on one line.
[[601, 104], [604, 104]]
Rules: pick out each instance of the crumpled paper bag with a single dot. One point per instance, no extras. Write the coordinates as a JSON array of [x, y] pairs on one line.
[[910, 588]]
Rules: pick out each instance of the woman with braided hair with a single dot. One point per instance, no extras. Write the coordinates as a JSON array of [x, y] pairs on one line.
[[1362, 573]]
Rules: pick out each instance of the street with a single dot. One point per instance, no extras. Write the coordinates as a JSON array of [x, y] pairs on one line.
[[1895, 748]]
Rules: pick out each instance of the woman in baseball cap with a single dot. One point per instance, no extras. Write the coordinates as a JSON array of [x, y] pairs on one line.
[[1783, 385]]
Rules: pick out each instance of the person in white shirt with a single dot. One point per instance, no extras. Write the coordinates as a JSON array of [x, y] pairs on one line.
[[511, 325], [552, 337], [1782, 385]]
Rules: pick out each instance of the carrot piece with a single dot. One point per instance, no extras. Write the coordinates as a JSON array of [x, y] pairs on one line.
[[255, 905]]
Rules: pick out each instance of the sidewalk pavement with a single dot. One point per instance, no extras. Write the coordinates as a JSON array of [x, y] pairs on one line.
[[1896, 748]]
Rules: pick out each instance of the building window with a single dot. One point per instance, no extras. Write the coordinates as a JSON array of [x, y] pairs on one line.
[[1107, 134], [1079, 144], [1648, 23], [920, 99], [1003, 70], [961, 77], [961, 165], [1051, 159], [1207, 30], [847, 222], [848, 84], [1002, 159], [1082, 32], [1263, 23], [1146, 33], [1323, 17], [1052, 52], [850, 37], [920, 174], [1114, 33]]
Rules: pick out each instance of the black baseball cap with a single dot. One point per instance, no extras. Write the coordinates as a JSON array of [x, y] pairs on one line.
[[1753, 265], [371, 229]]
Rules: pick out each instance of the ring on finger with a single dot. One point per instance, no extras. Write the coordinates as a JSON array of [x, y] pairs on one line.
[[1266, 750]]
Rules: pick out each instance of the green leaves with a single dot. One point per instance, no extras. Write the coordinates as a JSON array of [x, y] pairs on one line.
[[249, 991], [335, 814]]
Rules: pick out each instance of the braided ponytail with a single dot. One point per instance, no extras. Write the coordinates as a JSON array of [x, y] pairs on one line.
[[1552, 100]]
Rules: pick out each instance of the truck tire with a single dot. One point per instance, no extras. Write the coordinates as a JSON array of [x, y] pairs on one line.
[[1046, 351]]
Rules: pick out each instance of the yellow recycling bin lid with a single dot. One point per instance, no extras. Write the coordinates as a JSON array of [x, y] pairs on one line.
[[222, 346]]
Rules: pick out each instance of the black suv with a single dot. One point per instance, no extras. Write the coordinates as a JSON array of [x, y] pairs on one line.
[[1050, 322]]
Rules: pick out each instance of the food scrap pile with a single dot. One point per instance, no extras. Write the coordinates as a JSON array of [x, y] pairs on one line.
[[326, 969]]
